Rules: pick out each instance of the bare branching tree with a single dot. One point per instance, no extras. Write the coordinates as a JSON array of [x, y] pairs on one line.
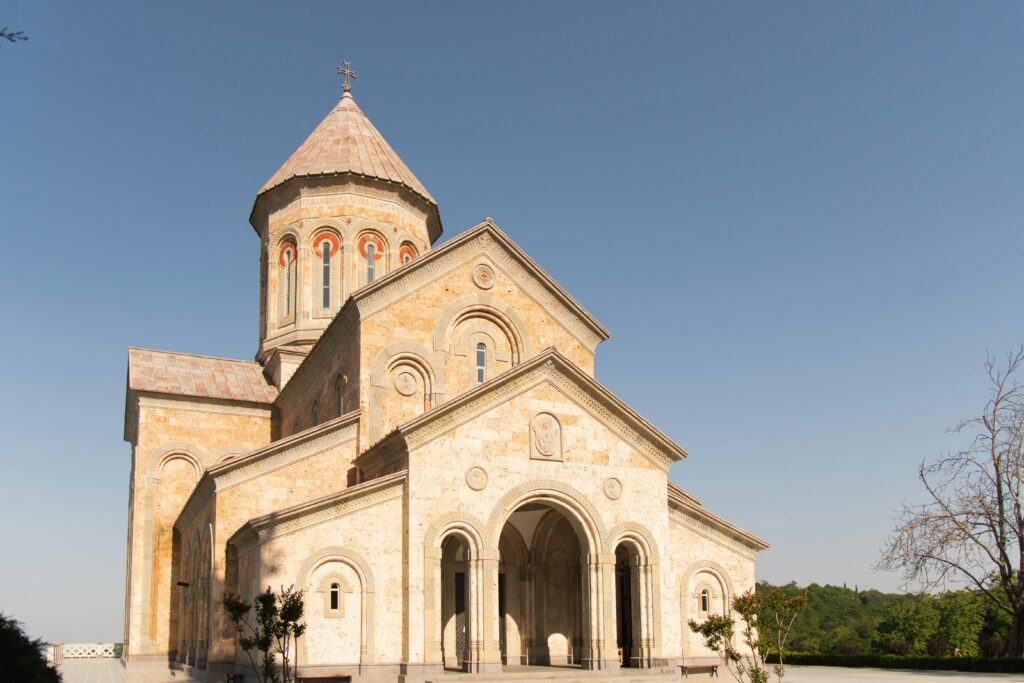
[[972, 527], [12, 36]]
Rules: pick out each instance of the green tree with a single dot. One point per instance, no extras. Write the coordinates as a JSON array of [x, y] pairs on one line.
[[21, 657], [961, 619], [972, 526], [272, 632], [907, 626], [766, 618]]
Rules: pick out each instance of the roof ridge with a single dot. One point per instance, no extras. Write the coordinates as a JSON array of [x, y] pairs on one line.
[[192, 355], [346, 141]]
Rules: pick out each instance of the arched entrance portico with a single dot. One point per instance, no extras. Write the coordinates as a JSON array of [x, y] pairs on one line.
[[540, 598], [554, 583]]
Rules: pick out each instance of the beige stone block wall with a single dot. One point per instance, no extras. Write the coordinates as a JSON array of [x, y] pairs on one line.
[[363, 551], [319, 474], [176, 440], [700, 557]]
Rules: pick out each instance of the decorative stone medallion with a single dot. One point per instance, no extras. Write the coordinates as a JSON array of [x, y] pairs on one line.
[[483, 276], [405, 382], [476, 478], [612, 488], [545, 437]]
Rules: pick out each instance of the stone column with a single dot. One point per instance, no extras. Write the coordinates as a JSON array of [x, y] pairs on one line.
[[487, 653], [599, 614]]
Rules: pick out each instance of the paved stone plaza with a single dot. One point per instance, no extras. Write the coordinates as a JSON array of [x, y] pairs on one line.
[[826, 674], [110, 671]]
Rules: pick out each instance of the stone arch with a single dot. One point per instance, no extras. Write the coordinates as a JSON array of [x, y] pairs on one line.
[[390, 356], [645, 585], [176, 449], [580, 512], [711, 567], [366, 605], [485, 306], [468, 528], [686, 597], [227, 454], [443, 526], [516, 546], [637, 534]]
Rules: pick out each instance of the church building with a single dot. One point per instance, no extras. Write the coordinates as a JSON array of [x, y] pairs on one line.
[[421, 446]]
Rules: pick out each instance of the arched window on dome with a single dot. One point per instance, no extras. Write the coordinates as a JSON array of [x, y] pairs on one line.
[[287, 280], [335, 603], [373, 252], [314, 413], [481, 363], [327, 251], [326, 274], [406, 253]]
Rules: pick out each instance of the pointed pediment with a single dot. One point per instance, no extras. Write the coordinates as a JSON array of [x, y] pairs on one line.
[[548, 367], [485, 238]]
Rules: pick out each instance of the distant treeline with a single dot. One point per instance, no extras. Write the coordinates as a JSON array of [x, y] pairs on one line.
[[849, 621]]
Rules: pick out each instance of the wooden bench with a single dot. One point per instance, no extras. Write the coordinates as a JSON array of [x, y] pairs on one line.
[[711, 668], [327, 678]]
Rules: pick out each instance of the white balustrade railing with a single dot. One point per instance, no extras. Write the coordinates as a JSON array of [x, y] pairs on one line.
[[56, 652]]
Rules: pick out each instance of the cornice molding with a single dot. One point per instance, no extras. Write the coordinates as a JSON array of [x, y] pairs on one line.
[[330, 507]]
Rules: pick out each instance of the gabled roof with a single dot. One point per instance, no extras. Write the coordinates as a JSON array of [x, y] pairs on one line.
[[549, 365], [183, 374], [487, 228], [346, 142], [687, 504], [319, 509]]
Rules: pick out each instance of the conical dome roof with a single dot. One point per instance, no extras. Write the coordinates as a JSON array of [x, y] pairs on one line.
[[346, 142]]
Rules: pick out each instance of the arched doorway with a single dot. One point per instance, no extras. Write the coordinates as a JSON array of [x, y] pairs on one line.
[[455, 603], [541, 593], [628, 617]]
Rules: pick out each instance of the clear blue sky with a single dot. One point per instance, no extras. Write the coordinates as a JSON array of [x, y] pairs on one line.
[[802, 223]]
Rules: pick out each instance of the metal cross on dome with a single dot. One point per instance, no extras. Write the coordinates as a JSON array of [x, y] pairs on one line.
[[346, 70]]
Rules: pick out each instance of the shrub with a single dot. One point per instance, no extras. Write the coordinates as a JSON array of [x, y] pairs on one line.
[[918, 662], [938, 647], [22, 658], [992, 647], [848, 649], [898, 647]]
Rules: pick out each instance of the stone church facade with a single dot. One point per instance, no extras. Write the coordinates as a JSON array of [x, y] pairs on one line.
[[420, 445]]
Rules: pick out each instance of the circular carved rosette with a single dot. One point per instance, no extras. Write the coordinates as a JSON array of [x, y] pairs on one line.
[[405, 383], [613, 488], [476, 478], [483, 276]]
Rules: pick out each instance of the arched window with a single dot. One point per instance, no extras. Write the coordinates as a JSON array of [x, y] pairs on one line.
[[705, 600], [406, 253], [286, 278], [325, 246], [314, 413], [481, 362], [335, 597], [372, 247], [339, 386], [371, 257]]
